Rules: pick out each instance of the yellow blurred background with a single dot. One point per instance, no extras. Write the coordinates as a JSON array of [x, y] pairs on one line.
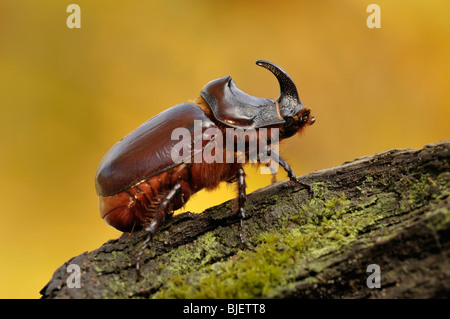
[[67, 95]]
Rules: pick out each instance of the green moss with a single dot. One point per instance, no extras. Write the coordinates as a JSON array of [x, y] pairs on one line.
[[213, 267], [416, 191], [320, 225], [107, 262], [443, 182], [245, 275], [274, 198], [115, 288], [369, 179], [441, 223], [192, 257]]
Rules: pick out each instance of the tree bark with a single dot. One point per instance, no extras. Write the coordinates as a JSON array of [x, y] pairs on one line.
[[390, 210]]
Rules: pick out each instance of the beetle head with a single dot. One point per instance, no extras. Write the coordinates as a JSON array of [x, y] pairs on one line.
[[235, 108], [296, 116]]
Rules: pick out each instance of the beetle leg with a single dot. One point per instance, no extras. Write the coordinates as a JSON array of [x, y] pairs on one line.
[[288, 170], [159, 218], [242, 198], [273, 171]]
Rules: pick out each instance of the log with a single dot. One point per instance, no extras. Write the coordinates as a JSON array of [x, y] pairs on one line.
[[377, 227]]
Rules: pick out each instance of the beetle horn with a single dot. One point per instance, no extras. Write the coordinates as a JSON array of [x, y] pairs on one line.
[[288, 100]]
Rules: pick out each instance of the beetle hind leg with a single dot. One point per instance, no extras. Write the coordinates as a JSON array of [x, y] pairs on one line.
[[160, 216]]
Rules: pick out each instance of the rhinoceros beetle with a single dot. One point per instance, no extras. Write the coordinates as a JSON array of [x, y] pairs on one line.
[[138, 182]]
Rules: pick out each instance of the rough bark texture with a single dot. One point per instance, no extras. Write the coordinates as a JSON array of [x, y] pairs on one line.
[[391, 209]]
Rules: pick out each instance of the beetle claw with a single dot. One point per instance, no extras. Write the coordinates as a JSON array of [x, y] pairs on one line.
[[295, 182]]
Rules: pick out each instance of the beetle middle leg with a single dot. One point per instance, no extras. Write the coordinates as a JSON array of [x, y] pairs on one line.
[[273, 155], [242, 198], [157, 221]]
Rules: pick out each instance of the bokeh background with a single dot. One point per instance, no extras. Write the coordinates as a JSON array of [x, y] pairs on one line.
[[67, 95]]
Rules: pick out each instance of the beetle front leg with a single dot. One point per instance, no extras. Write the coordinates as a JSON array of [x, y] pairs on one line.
[[288, 169], [158, 220]]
